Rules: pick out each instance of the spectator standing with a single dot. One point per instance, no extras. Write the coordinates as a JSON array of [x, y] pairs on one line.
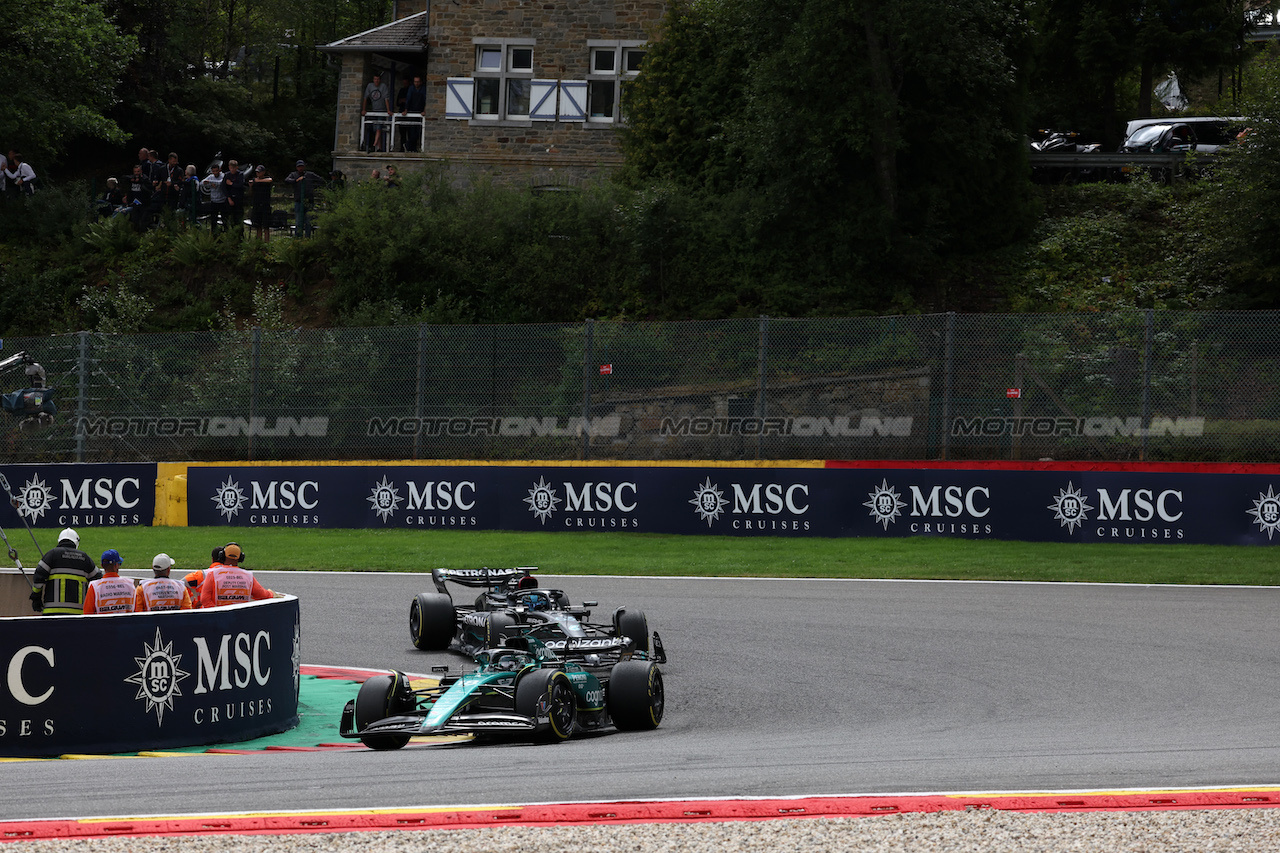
[[170, 184], [215, 182], [162, 592], [392, 177], [4, 181], [260, 191], [137, 196], [415, 104], [110, 593], [376, 100], [62, 577], [234, 183], [144, 160], [191, 194], [304, 191], [20, 174]]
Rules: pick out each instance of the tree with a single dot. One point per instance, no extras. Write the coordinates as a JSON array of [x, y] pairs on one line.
[[864, 135], [59, 63]]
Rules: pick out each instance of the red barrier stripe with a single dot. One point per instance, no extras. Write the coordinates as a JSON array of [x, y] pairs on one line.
[[1102, 467], [666, 811]]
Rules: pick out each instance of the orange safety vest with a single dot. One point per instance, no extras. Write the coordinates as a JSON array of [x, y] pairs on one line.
[[230, 585], [110, 594], [162, 594]]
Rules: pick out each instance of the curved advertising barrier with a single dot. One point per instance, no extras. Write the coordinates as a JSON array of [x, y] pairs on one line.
[[135, 681]]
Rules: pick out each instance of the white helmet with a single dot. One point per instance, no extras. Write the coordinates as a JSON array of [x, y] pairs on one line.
[[162, 562], [69, 535]]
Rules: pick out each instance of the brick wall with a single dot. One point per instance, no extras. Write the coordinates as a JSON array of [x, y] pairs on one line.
[[539, 152]]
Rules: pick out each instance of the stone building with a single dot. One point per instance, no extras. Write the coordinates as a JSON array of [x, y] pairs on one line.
[[520, 90]]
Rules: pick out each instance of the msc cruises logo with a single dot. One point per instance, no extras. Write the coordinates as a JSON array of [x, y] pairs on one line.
[[229, 498], [885, 504], [34, 498], [1070, 509], [1266, 512], [708, 501], [158, 676], [385, 499], [542, 500]]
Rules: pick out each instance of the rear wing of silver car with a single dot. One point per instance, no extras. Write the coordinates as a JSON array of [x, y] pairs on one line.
[[481, 578]]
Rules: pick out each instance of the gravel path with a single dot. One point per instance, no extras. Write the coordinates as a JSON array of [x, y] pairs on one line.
[[987, 831]]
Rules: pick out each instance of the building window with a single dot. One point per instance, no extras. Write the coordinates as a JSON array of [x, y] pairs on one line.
[[613, 65], [503, 80]]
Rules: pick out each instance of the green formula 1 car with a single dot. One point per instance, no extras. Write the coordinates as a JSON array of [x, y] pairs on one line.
[[522, 689]]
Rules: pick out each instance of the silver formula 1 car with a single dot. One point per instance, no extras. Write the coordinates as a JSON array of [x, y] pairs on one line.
[[521, 690], [513, 604]]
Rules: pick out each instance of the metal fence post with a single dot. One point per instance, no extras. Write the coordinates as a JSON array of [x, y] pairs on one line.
[[587, 358], [82, 401], [762, 386], [253, 386], [419, 387], [1146, 380], [948, 373]]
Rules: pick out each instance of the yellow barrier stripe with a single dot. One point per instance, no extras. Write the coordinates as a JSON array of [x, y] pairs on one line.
[[171, 477]]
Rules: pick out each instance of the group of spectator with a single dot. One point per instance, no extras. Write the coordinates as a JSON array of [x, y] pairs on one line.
[[16, 175], [235, 196], [411, 99], [68, 583]]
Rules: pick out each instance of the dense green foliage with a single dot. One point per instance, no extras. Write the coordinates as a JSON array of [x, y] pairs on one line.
[[59, 61], [793, 158]]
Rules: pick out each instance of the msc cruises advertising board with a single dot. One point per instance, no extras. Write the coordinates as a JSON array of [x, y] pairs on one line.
[[1060, 506]]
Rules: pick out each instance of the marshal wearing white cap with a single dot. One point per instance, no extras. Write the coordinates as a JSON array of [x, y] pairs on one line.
[[162, 592], [62, 577]]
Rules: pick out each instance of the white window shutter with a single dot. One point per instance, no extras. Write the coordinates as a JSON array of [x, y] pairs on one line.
[[573, 100], [459, 95], [542, 100]]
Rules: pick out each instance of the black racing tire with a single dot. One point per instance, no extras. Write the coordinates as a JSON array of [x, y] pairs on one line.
[[432, 621], [635, 697], [377, 700], [549, 691], [498, 629], [633, 624]]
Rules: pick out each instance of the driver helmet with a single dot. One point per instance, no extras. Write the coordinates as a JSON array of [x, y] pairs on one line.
[[537, 601]]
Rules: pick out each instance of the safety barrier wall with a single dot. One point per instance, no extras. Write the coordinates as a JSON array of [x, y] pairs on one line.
[[1054, 502], [1033, 501], [142, 681]]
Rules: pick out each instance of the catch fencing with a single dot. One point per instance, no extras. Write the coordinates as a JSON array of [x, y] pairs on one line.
[[1135, 385]]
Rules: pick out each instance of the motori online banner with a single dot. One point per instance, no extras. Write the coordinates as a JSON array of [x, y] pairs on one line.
[[1033, 505]]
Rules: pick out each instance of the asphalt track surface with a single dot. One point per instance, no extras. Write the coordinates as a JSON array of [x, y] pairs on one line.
[[782, 688]]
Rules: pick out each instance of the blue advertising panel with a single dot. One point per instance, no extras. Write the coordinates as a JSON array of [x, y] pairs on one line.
[[80, 495], [133, 681], [1051, 506]]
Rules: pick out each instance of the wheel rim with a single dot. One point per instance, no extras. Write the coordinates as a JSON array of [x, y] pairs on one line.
[[562, 711], [657, 697], [415, 620]]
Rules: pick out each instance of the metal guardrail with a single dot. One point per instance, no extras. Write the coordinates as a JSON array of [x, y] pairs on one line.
[[1120, 163]]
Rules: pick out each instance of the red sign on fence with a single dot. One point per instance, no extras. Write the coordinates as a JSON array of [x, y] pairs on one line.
[[1013, 393], [606, 369]]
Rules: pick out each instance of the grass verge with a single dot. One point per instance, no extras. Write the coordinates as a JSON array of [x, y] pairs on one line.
[[653, 554]]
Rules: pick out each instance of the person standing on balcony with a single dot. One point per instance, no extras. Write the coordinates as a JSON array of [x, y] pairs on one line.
[[415, 104], [377, 99]]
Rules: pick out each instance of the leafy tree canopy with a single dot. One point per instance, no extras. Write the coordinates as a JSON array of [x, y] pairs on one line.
[[59, 63]]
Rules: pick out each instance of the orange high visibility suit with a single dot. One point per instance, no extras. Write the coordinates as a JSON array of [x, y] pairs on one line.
[[110, 594], [162, 593], [230, 585]]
